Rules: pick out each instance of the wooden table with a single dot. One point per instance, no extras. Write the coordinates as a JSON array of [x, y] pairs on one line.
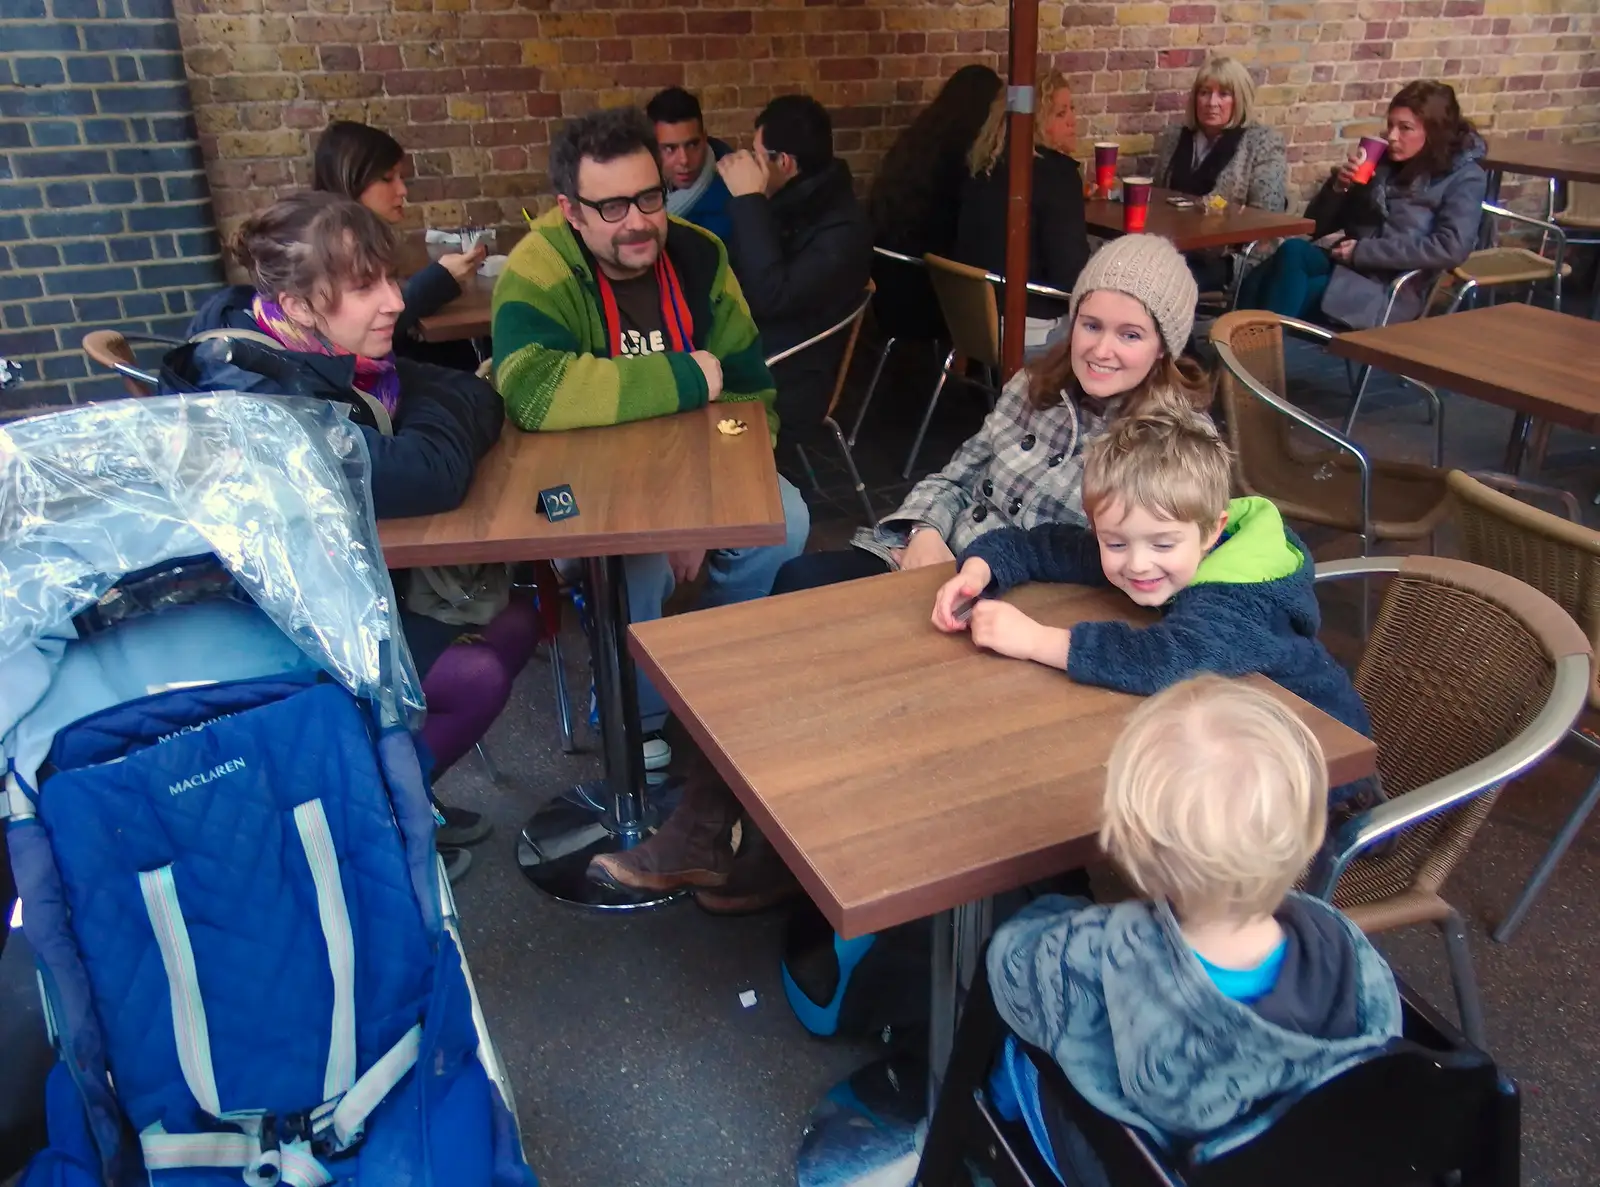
[[468, 316], [1541, 158], [901, 771], [1534, 361], [648, 486], [1194, 228]]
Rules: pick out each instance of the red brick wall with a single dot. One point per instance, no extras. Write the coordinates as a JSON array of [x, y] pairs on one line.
[[473, 87]]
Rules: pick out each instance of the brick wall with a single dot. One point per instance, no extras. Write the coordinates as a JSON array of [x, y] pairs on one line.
[[105, 218], [473, 86]]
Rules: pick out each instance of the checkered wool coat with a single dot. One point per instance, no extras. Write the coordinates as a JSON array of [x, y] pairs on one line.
[[1023, 467]]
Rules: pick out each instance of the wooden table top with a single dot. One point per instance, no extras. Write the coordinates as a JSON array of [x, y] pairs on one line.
[[900, 771], [1195, 228], [648, 486], [1520, 356], [1544, 158], [465, 317]]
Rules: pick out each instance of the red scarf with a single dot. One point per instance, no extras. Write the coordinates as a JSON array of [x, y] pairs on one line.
[[675, 313]]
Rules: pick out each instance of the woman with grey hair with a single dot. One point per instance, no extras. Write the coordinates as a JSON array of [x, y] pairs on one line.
[[1219, 149]]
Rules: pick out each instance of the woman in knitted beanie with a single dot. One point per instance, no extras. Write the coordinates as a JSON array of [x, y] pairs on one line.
[[1119, 350]]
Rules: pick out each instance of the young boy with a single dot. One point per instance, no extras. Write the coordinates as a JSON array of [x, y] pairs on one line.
[[1234, 584], [1183, 1012]]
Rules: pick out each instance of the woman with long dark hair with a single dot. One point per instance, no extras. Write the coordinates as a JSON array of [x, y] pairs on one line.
[[1421, 209], [916, 198], [367, 165]]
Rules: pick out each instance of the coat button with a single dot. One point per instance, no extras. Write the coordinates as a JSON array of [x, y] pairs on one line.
[[979, 514], [1056, 459], [1014, 507], [1028, 441], [988, 486]]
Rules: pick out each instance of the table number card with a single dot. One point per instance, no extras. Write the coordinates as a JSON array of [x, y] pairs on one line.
[[557, 503]]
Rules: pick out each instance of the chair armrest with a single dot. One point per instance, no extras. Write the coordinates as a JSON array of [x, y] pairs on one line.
[[837, 327], [1510, 485], [1546, 228], [899, 257], [1302, 418], [1396, 286]]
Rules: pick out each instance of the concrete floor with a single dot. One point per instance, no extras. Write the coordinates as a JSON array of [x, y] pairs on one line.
[[635, 1065]]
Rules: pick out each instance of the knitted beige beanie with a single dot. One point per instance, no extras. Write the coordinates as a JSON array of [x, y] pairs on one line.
[[1150, 270]]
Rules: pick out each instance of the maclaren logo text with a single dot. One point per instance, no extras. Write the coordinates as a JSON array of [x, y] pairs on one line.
[[200, 779]]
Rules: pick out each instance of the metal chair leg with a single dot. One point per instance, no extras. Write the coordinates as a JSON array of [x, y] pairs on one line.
[[855, 475], [558, 676], [805, 462], [927, 417], [1547, 864], [1355, 405], [1468, 1003], [488, 764], [872, 386]]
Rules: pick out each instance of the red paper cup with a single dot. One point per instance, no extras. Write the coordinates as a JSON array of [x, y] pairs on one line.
[[1105, 165], [1135, 202], [1371, 149]]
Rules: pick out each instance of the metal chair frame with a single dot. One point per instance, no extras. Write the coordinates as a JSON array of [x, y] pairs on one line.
[[1542, 733], [1327, 433], [138, 382], [853, 324], [1549, 230]]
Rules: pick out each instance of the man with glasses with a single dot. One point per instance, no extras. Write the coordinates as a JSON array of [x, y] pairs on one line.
[[609, 312], [689, 161]]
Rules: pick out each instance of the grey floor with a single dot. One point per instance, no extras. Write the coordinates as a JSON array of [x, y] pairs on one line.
[[635, 1064]]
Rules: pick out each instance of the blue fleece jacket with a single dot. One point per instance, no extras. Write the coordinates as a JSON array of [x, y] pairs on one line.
[[711, 211], [1251, 608]]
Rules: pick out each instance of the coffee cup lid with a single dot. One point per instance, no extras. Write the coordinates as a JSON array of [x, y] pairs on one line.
[[1105, 144], [1138, 181]]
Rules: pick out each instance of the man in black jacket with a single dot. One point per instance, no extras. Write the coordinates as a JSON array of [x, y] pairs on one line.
[[801, 246]]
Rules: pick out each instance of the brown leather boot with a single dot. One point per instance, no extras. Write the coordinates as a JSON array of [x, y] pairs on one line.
[[758, 882], [690, 848]]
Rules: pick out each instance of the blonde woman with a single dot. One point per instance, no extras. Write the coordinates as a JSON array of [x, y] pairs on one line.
[[1058, 244], [1219, 149]]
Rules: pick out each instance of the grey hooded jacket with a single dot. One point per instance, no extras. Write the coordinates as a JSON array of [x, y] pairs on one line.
[[1429, 222], [1117, 997]]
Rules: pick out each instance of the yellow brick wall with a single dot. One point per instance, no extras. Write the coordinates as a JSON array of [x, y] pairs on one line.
[[473, 87]]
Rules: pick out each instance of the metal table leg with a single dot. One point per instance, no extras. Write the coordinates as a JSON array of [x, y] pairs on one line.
[[610, 813], [1517, 446], [870, 1127]]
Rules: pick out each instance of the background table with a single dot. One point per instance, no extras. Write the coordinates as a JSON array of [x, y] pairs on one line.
[[465, 317], [1535, 361], [1540, 158], [1193, 228], [649, 486]]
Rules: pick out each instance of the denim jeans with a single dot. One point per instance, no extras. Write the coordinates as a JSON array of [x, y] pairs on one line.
[[732, 575]]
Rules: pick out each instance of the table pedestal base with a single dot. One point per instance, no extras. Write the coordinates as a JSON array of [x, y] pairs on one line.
[[554, 848]]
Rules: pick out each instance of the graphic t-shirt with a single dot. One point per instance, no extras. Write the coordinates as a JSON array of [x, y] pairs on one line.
[[639, 310]]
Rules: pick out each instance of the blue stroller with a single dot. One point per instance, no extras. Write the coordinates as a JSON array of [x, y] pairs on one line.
[[221, 835]]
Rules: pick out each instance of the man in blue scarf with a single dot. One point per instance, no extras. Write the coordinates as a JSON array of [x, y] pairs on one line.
[[696, 191]]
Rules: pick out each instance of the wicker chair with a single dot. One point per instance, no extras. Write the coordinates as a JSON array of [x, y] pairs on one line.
[[1471, 677], [1499, 267], [1328, 479], [1561, 559]]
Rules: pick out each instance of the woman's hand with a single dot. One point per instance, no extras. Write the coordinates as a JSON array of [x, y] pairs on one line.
[[1003, 629], [1343, 250], [926, 547], [964, 587], [1345, 176], [464, 265]]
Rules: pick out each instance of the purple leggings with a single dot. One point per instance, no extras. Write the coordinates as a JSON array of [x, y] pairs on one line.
[[470, 683]]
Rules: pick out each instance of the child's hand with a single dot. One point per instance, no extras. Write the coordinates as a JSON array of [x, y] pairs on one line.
[[1005, 630], [963, 587]]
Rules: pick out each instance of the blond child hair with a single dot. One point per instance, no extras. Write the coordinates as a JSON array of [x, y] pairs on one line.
[[1216, 799], [1170, 459]]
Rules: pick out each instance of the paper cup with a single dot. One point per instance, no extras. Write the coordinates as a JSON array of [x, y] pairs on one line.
[[1105, 165], [1371, 150], [1135, 202]]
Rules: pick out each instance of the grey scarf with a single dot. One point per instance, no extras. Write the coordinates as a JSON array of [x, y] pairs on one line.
[[681, 203]]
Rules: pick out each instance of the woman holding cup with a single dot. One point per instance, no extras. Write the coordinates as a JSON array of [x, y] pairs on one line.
[[1412, 200]]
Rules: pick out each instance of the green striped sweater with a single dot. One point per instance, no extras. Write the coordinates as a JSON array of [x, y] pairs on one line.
[[553, 361]]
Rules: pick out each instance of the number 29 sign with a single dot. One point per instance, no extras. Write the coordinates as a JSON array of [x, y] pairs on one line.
[[557, 503]]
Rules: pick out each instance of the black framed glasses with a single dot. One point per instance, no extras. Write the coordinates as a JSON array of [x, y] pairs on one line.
[[614, 210]]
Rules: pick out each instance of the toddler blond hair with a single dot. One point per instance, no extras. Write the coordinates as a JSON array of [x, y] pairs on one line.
[[1169, 459], [1216, 799]]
